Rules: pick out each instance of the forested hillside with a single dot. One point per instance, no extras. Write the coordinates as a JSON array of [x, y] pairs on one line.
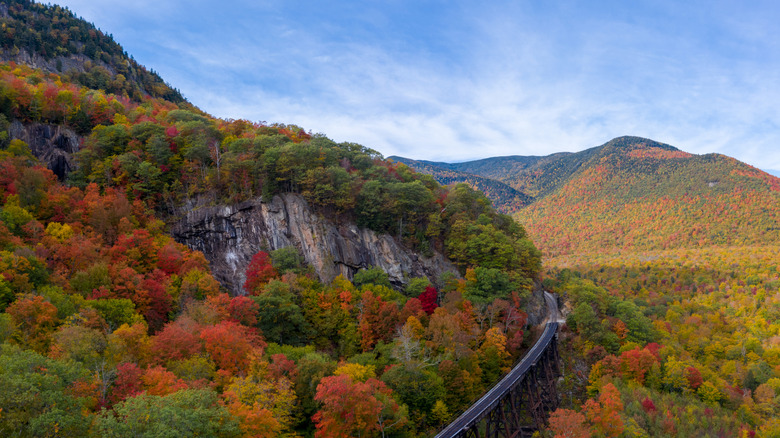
[[51, 37], [634, 193], [111, 328], [698, 357], [668, 265], [640, 195]]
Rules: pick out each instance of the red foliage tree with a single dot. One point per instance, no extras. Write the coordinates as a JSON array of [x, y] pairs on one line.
[[413, 307], [35, 319], [378, 320], [230, 345], [243, 310], [428, 299], [604, 415], [159, 381], [170, 259], [177, 340], [219, 304], [127, 283], [648, 405], [127, 382], [565, 423], [159, 302], [694, 377], [138, 250], [352, 408], [282, 367], [258, 272], [636, 363]]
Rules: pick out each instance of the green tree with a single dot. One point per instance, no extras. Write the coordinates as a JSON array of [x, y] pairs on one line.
[[189, 412], [640, 328], [287, 259], [419, 389], [312, 368], [280, 319], [483, 285], [372, 275], [36, 395], [416, 286]]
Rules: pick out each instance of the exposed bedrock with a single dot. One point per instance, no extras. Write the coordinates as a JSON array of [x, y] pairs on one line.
[[230, 235]]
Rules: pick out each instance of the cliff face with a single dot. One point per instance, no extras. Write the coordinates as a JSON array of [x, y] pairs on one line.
[[52, 144], [230, 235], [58, 65]]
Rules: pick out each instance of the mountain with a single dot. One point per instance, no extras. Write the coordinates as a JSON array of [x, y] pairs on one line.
[[505, 198], [635, 193], [52, 38], [158, 262], [358, 288]]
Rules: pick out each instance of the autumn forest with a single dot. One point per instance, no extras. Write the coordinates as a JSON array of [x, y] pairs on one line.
[[666, 265]]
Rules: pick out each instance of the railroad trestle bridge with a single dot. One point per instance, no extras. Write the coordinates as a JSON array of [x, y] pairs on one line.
[[520, 403]]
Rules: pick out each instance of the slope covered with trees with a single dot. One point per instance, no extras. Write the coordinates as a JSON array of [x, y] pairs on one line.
[[53, 37], [682, 342], [642, 196], [110, 328], [634, 193], [668, 265]]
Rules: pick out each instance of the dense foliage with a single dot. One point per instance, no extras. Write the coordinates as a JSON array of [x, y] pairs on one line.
[[110, 328], [633, 194], [688, 339], [166, 156], [647, 197], [78, 50], [123, 329], [668, 263]]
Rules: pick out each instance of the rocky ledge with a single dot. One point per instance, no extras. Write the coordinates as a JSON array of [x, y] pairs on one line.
[[230, 235]]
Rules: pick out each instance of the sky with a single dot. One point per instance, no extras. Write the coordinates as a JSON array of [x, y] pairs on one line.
[[461, 80]]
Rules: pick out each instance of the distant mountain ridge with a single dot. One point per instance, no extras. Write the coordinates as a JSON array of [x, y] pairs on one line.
[[630, 193], [505, 198]]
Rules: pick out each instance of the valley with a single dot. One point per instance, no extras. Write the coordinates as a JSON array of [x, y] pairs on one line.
[[164, 272], [689, 244]]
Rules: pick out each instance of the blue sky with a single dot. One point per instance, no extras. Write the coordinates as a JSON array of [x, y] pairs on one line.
[[459, 80]]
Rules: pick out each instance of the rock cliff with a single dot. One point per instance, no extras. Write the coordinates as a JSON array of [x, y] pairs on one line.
[[230, 235], [52, 144]]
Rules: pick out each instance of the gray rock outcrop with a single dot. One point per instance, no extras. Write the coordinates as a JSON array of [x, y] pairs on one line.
[[52, 144], [230, 235]]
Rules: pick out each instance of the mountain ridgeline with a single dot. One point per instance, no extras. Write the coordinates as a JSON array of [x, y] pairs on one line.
[[52, 38], [632, 193], [326, 271], [165, 272], [504, 198]]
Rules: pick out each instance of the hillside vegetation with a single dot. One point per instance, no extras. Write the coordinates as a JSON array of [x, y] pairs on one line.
[[668, 265], [76, 49], [110, 328], [699, 357], [642, 196], [634, 193]]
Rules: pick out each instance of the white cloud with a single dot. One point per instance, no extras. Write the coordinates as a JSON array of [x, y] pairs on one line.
[[485, 80]]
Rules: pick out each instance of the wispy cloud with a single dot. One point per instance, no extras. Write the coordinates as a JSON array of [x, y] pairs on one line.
[[463, 80]]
